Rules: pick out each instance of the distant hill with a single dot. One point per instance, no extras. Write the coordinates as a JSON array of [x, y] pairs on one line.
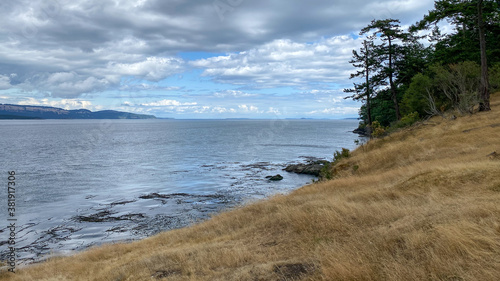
[[12, 111]]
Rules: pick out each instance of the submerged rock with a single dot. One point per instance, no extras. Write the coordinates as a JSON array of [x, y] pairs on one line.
[[278, 177], [155, 195], [107, 216]]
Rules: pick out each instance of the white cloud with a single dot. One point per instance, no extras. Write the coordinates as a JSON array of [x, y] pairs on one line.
[[67, 104], [152, 68], [234, 94], [65, 84], [248, 108], [274, 111], [285, 63], [80, 47], [202, 109], [328, 96], [219, 109], [168, 103], [147, 87], [344, 110], [5, 82]]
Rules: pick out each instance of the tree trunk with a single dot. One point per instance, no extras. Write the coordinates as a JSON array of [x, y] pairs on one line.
[[368, 90], [368, 107], [484, 91], [369, 113], [391, 83]]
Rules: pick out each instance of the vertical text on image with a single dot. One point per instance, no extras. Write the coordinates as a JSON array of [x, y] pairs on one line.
[[11, 220]]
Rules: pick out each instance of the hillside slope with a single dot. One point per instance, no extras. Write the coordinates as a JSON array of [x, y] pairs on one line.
[[420, 204]]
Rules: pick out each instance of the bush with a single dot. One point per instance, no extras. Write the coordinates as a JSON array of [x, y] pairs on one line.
[[445, 87], [378, 130], [460, 83], [339, 155], [494, 75], [415, 98], [408, 120], [327, 170]]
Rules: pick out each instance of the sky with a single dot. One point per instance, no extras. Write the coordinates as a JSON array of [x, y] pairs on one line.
[[189, 59]]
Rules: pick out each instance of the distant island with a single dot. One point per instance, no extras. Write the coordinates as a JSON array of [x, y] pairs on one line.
[[12, 111]]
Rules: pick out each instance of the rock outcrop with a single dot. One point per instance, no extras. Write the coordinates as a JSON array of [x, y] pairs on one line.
[[278, 177], [312, 167]]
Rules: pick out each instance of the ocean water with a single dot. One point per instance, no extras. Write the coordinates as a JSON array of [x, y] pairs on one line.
[[81, 183]]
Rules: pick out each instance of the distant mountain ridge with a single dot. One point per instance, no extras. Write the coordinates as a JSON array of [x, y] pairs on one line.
[[12, 111]]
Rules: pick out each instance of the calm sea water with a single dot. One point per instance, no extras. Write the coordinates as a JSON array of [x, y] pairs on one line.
[[85, 182]]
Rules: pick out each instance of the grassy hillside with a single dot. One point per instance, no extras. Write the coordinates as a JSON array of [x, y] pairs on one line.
[[420, 204]]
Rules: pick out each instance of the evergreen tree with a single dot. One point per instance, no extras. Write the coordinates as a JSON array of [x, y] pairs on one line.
[[472, 19], [390, 32], [366, 61]]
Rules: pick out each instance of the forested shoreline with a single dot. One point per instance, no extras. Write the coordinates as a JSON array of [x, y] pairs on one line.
[[400, 79]]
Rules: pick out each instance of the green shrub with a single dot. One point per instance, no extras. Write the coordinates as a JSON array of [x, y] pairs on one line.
[[415, 98], [326, 172], [339, 155], [408, 120], [378, 130], [459, 83], [494, 74]]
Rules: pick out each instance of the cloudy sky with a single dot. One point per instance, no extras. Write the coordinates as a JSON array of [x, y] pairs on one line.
[[189, 58]]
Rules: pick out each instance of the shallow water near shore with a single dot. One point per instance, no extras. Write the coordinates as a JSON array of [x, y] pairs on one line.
[[81, 183]]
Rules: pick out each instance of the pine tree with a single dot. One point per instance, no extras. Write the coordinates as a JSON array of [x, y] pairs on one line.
[[367, 62], [390, 32], [469, 17]]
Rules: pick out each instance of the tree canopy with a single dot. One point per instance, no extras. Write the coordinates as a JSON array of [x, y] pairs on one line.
[[398, 78]]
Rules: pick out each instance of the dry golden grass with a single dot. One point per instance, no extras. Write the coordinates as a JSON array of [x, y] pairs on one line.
[[424, 204]]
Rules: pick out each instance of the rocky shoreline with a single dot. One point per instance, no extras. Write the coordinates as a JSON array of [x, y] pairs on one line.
[[313, 166], [146, 214], [142, 215], [362, 132]]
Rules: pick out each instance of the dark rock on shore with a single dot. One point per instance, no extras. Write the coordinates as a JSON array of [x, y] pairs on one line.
[[312, 167], [122, 202], [162, 196], [155, 195], [278, 177], [107, 216], [362, 132]]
